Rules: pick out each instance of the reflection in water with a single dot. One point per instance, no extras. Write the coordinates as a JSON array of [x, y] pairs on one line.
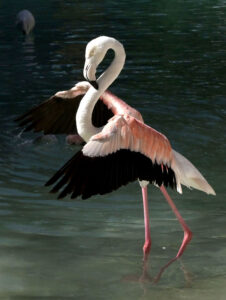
[[174, 74], [28, 49], [145, 277]]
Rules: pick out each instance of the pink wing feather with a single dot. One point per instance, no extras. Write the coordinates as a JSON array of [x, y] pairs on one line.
[[126, 132], [118, 106]]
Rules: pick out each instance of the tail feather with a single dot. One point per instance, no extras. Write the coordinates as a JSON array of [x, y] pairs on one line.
[[188, 175]]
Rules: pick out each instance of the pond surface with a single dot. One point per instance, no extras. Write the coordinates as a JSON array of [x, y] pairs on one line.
[[175, 76]]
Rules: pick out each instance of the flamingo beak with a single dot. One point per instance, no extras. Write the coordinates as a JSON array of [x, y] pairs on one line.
[[94, 84]]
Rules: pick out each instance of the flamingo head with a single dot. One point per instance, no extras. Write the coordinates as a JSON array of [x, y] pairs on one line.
[[95, 52]]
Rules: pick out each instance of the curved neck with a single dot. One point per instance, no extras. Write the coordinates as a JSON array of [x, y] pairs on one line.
[[84, 114]]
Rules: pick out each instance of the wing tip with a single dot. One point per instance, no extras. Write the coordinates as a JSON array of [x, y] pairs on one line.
[[202, 185], [211, 191]]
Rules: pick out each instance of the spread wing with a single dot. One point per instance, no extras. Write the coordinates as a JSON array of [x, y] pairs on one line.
[[124, 151], [126, 132], [53, 116], [57, 114]]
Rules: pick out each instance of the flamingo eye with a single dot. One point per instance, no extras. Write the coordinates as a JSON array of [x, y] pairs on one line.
[[91, 53]]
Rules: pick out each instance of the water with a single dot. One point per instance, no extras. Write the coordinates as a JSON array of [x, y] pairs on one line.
[[174, 74]]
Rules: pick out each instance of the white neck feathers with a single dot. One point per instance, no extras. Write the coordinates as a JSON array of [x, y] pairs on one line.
[[84, 114]]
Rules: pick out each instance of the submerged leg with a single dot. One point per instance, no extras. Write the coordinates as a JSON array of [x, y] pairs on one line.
[[187, 232], [147, 244]]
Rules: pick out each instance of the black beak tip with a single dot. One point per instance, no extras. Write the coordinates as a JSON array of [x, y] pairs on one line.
[[94, 84]]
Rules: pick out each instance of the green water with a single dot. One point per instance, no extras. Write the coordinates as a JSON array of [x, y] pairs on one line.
[[175, 76]]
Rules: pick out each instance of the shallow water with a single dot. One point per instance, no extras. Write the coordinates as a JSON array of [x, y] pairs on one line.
[[174, 74]]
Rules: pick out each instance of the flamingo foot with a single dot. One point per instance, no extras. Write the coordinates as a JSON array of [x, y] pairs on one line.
[[144, 277]]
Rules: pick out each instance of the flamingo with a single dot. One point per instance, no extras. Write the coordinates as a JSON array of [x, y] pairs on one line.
[[123, 150], [25, 21], [119, 147]]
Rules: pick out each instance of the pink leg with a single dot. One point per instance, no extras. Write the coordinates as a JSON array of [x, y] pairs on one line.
[[187, 232], [147, 244]]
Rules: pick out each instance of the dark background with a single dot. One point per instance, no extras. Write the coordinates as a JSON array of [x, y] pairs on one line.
[[175, 76]]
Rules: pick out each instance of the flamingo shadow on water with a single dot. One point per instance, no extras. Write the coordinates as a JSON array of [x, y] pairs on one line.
[[119, 147]]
